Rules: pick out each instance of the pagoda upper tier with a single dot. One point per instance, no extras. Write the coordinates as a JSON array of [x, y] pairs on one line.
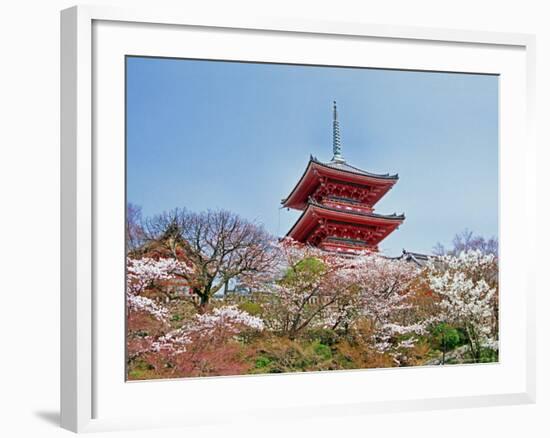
[[338, 181], [337, 200]]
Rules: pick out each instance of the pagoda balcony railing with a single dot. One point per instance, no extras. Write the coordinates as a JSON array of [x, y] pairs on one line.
[[347, 206], [343, 199]]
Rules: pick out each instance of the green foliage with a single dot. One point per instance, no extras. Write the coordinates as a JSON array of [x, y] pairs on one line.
[[324, 336], [488, 355], [262, 362], [281, 355], [463, 336], [307, 269], [322, 351], [445, 337], [251, 307], [137, 374], [140, 370]]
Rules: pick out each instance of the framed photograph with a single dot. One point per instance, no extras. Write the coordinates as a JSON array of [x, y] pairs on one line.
[[253, 209]]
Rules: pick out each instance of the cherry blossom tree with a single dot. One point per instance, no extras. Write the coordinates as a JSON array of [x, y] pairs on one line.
[[205, 345], [386, 298], [217, 326], [314, 288], [302, 288], [144, 273], [140, 275], [467, 286], [373, 307], [146, 317]]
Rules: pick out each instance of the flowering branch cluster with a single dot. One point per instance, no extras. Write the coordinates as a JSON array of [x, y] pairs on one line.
[[315, 289], [302, 287], [386, 299], [467, 297], [142, 274], [219, 324]]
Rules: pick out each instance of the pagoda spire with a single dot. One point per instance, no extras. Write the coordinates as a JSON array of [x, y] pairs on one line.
[[336, 145]]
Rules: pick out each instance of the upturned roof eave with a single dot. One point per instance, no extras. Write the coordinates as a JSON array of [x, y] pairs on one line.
[[355, 170], [394, 219], [360, 173], [285, 200]]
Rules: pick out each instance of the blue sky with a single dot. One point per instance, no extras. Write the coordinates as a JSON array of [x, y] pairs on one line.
[[237, 136]]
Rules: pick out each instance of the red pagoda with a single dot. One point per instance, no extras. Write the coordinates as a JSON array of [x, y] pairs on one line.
[[337, 201]]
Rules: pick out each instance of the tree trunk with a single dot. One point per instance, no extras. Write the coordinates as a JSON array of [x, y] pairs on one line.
[[203, 303], [204, 300], [473, 350], [225, 288]]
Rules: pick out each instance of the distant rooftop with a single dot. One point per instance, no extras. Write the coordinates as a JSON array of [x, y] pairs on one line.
[[413, 257]]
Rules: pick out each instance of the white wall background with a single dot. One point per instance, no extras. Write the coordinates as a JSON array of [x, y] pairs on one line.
[[29, 219]]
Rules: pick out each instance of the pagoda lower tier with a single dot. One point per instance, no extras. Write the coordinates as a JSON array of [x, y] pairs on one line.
[[343, 229]]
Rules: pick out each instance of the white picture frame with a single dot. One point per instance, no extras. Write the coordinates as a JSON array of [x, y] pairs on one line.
[[83, 182]]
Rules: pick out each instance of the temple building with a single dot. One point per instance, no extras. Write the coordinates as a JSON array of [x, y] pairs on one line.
[[337, 202]]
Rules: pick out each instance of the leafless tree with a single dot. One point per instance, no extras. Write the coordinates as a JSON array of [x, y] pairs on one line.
[[134, 229], [466, 240], [219, 245]]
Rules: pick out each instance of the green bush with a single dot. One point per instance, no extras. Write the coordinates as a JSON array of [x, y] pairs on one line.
[[251, 307], [463, 336], [281, 355], [322, 350], [445, 337], [262, 362], [306, 270], [323, 336], [488, 355]]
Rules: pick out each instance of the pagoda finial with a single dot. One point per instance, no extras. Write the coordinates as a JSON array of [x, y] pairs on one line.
[[336, 145]]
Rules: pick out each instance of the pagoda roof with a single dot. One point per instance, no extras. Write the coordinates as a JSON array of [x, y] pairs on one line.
[[338, 170], [352, 217], [345, 167]]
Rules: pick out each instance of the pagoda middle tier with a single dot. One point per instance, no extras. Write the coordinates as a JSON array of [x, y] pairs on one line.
[[337, 201]]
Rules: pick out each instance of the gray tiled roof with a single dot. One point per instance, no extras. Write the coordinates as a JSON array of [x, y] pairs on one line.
[[342, 165], [414, 257]]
